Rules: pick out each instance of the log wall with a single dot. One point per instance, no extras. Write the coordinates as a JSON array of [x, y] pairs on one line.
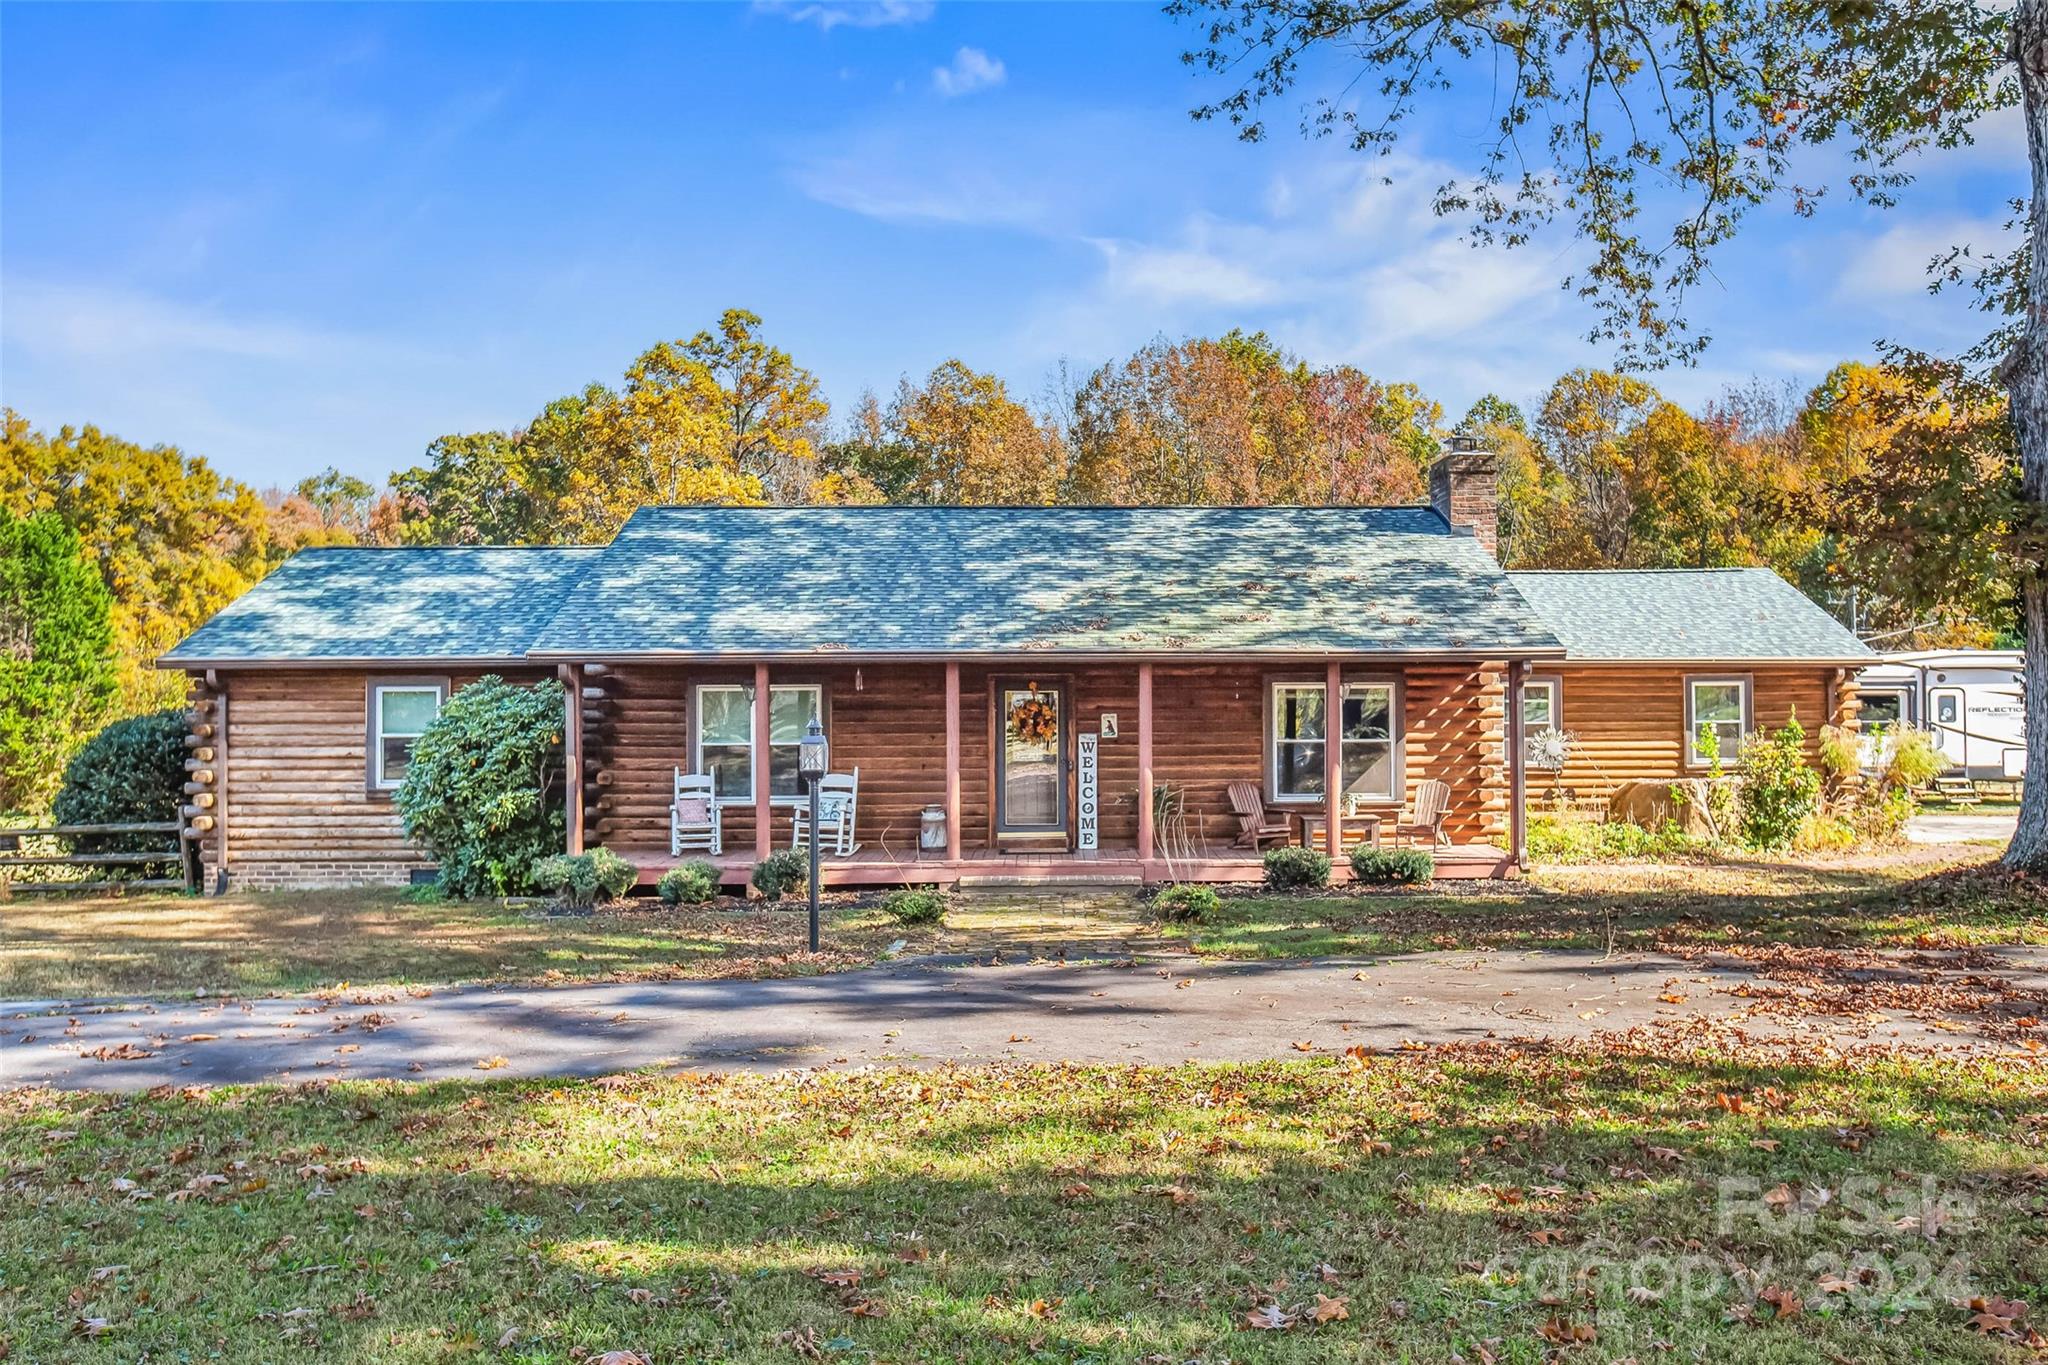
[[1628, 722]]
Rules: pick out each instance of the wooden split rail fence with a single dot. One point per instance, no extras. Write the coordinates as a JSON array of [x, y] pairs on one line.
[[178, 853]]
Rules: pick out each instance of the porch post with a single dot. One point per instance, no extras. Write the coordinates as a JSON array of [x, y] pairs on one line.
[[952, 762], [572, 752], [1333, 760], [764, 834], [1145, 830], [1518, 780]]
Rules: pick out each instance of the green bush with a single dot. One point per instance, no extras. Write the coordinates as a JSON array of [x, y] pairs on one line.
[[483, 788], [1186, 903], [1387, 865], [585, 879], [693, 883], [780, 873], [1583, 841], [1293, 869], [132, 772], [58, 678], [1779, 788], [915, 905]]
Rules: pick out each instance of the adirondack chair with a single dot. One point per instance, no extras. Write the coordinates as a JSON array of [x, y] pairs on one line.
[[1255, 827], [695, 821], [1426, 820], [838, 802]]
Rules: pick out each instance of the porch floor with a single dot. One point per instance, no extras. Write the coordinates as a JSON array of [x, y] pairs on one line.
[[880, 867]]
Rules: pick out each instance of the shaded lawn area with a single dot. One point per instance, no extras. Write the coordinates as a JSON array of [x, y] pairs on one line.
[[1477, 1201], [250, 943], [1925, 896]]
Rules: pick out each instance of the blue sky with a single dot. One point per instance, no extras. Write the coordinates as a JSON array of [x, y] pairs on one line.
[[286, 237]]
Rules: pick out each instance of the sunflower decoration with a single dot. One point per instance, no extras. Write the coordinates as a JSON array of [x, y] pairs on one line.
[[1033, 719]]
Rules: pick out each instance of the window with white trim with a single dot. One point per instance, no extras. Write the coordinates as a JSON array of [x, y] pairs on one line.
[[1722, 706], [1541, 723], [723, 737], [399, 714], [1368, 738]]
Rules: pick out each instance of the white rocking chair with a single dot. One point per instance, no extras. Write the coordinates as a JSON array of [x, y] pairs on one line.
[[838, 801], [695, 819]]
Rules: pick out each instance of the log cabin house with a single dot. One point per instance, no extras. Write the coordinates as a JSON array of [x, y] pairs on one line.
[[1171, 650]]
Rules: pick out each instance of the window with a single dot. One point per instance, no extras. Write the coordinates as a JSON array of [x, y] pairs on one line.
[[399, 715], [1885, 709], [1720, 705], [1542, 729], [1948, 709], [1368, 736], [725, 737]]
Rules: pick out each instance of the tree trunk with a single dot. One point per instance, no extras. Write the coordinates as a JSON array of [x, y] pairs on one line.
[[2027, 385]]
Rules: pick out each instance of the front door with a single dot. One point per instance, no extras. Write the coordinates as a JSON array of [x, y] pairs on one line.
[[1031, 762]]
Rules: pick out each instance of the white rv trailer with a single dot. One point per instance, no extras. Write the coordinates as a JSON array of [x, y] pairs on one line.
[[1972, 700]]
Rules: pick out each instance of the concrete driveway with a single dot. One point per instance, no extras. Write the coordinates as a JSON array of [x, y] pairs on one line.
[[1154, 1012], [1962, 826]]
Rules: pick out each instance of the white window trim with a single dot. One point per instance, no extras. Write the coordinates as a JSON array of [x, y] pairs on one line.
[[1553, 685], [755, 768], [1396, 740], [378, 690], [1694, 681]]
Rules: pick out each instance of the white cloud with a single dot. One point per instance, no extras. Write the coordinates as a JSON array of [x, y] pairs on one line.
[[1895, 261], [831, 14], [970, 70]]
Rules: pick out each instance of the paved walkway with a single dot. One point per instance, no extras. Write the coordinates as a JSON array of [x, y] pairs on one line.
[[917, 1013]]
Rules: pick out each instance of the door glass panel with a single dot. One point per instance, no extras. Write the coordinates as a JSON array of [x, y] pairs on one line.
[[1948, 709], [1032, 726]]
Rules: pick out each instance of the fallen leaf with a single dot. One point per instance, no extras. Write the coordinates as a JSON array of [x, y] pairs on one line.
[[1302, 1046], [492, 1064], [1271, 1318], [1328, 1309]]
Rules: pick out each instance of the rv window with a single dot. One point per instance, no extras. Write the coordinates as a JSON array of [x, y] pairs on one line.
[[1946, 710], [1882, 708]]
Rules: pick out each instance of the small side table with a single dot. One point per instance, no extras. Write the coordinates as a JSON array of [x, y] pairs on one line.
[[1352, 830]]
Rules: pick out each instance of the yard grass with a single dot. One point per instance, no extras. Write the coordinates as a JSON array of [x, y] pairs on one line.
[[1924, 896], [1475, 1203], [254, 943]]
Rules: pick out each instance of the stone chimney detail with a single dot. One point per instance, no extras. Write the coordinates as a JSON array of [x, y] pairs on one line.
[[1463, 488]]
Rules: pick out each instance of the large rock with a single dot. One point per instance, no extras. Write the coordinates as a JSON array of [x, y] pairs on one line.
[[1653, 805]]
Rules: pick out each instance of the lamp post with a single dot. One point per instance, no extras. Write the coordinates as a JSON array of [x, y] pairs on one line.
[[813, 757]]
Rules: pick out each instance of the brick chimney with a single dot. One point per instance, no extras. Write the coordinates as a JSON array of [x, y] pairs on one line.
[[1463, 489]]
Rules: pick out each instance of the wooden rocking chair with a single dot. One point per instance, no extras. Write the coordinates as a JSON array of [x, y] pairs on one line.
[[694, 817], [1255, 827], [1426, 821]]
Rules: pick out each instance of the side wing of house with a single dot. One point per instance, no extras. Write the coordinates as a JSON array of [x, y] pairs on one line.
[[1655, 656]]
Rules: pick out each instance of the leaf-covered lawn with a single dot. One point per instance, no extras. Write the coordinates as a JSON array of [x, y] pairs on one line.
[[1924, 898], [246, 943], [1475, 1203]]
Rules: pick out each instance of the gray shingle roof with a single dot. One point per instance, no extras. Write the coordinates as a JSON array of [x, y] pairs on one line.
[[966, 580], [367, 603], [1691, 614]]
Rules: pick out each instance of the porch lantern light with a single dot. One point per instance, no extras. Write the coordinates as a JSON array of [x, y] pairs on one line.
[[813, 760]]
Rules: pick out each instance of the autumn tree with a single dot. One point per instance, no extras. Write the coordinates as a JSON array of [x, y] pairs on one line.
[[968, 442], [1235, 420], [174, 540], [58, 676], [1716, 106]]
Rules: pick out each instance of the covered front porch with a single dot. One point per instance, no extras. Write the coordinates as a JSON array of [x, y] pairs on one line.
[[1017, 772]]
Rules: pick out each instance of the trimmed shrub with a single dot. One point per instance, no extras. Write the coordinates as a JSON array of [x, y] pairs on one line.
[[1779, 789], [780, 873], [1384, 866], [915, 905], [132, 772], [482, 790], [693, 883], [1186, 903], [1295, 869], [585, 879]]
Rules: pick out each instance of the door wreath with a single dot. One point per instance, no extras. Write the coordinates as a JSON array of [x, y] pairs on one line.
[[1034, 719]]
